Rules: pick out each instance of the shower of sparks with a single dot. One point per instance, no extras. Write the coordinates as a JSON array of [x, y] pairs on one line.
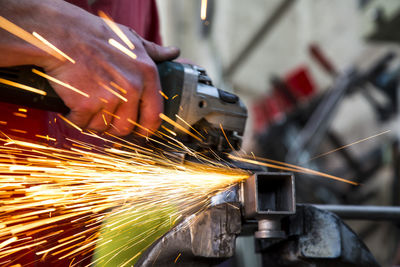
[[114, 27], [22, 86], [59, 200], [26, 36], [43, 40], [122, 48], [345, 146], [178, 126], [66, 85], [203, 11]]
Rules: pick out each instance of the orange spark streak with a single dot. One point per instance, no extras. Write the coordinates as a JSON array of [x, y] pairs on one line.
[[66, 85], [22, 115], [69, 122], [226, 138], [163, 95], [18, 131], [180, 127], [26, 36], [22, 86], [111, 114], [122, 90], [48, 138], [104, 119], [176, 259], [122, 48], [42, 39], [116, 29], [293, 169], [113, 92], [22, 110], [187, 124], [354, 143]]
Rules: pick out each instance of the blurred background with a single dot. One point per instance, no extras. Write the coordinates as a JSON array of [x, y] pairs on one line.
[[315, 75]]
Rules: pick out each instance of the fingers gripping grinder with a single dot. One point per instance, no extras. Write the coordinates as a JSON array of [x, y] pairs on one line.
[[204, 116]]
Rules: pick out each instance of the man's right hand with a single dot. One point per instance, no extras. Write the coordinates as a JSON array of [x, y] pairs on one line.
[[99, 66]]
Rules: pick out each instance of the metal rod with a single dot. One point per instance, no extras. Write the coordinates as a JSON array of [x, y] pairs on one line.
[[258, 36], [372, 213]]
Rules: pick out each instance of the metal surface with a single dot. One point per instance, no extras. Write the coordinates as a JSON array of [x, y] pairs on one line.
[[373, 213], [204, 239], [269, 195], [287, 235], [316, 238], [271, 229]]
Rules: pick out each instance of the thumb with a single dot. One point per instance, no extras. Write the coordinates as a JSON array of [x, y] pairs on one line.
[[160, 53]]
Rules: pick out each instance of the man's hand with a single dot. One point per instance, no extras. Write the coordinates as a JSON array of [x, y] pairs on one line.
[[121, 90]]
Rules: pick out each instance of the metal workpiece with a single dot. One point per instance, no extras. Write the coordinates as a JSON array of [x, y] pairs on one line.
[[268, 197], [371, 213], [315, 238], [203, 239]]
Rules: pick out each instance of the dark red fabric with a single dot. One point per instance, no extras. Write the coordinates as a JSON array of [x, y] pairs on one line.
[[140, 15]]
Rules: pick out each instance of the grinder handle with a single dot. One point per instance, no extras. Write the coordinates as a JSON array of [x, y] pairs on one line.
[[171, 76]]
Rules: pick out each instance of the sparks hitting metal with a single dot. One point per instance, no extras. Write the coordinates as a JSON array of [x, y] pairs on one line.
[[43, 188]]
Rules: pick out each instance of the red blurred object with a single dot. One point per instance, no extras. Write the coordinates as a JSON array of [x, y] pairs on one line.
[[274, 106]]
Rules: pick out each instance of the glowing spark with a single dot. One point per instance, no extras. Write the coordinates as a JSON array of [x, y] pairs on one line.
[[226, 138], [113, 92], [53, 47], [175, 96], [66, 85], [103, 100], [104, 119], [43, 188], [22, 115], [163, 95], [111, 114], [168, 130], [122, 48], [22, 86], [292, 168], [188, 125], [177, 257], [22, 110], [116, 29], [19, 131], [69, 122], [8, 241], [203, 12], [122, 90], [26, 36], [342, 147], [48, 138], [3, 123], [140, 126], [180, 127]]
